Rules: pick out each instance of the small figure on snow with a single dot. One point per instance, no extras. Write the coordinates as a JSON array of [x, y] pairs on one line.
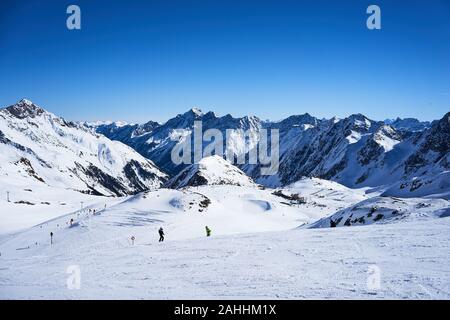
[[51, 237], [71, 222], [161, 234], [208, 231], [132, 240]]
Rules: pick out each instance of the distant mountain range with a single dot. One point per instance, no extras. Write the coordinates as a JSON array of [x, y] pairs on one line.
[[409, 156], [403, 157]]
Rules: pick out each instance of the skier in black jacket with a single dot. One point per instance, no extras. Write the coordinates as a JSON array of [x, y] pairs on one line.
[[161, 234]]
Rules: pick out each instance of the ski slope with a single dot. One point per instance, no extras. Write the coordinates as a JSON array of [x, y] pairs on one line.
[[257, 250], [412, 259]]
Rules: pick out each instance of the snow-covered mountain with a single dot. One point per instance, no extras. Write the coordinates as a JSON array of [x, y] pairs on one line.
[[359, 152], [212, 170], [408, 124], [156, 141], [427, 166], [354, 151], [39, 148]]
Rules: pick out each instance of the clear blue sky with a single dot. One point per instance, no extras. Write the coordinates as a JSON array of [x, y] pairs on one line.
[[141, 60]]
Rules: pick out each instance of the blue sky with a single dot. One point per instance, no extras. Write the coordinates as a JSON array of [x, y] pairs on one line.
[[149, 60]]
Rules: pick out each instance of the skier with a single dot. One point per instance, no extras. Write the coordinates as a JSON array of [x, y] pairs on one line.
[[208, 231], [51, 237], [132, 239], [161, 234], [71, 222]]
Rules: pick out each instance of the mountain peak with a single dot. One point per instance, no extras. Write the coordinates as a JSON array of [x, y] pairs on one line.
[[192, 113], [359, 120], [26, 102], [408, 124], [358, 116], [24, 109], [196, 111], [444, 123]]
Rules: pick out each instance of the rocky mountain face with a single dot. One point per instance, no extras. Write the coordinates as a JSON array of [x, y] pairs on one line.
[[426, 170], [39, 147], [408, 124], [156, 141], [359, 152], [355, 151], [340, 150]]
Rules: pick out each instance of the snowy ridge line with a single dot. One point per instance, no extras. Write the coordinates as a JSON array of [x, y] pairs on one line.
[[39, 149]]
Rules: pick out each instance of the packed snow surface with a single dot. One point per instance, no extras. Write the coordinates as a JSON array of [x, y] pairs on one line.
[[411, 260]]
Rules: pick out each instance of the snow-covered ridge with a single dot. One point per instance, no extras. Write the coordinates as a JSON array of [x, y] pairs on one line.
[[37, 147], [212, 170], [386, 210], [408, 124]]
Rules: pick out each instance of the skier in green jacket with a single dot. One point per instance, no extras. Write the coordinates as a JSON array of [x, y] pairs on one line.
[[208, 231]]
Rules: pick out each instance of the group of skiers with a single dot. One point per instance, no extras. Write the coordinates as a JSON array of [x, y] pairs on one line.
[[161, 233]]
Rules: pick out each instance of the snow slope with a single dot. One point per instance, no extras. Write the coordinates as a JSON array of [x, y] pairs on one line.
[[256, 250], [411, 259], [431, 186], [37, 203], [31, 204], [386, 210], [212, 170]]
